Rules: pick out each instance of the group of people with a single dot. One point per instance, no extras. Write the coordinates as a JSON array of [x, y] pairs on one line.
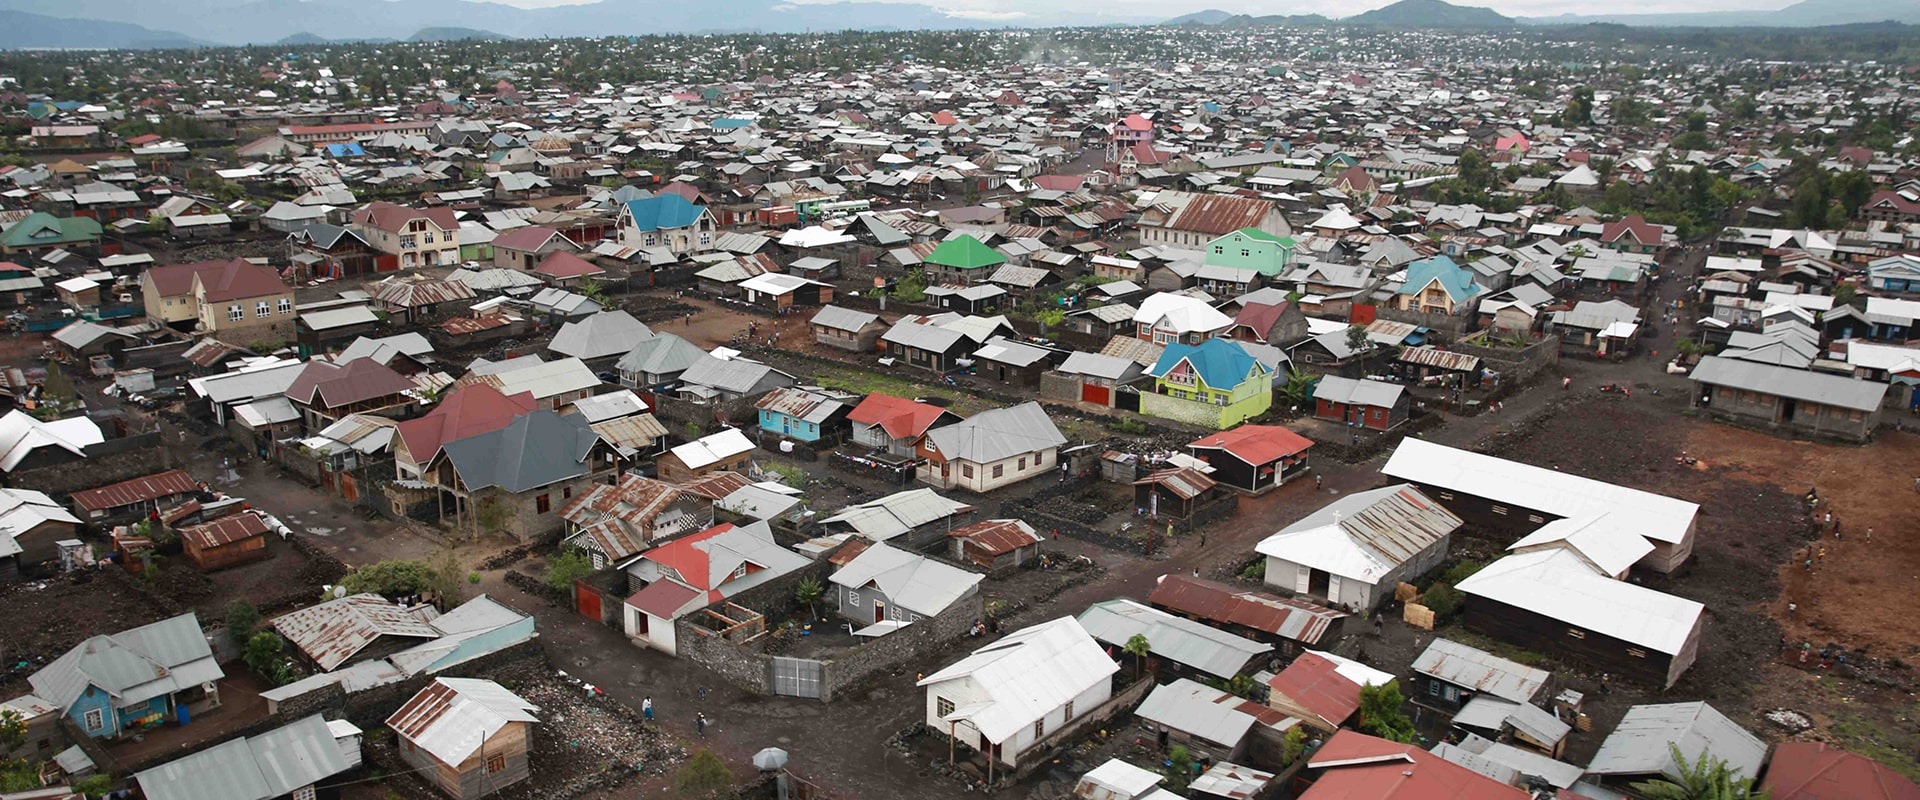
[[699, 719]]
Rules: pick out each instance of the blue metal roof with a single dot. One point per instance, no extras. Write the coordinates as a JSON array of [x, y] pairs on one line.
[[663, 211], [1452, 277], [1221, 363]]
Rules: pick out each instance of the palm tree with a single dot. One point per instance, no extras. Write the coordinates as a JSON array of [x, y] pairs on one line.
[[1138, 647], [1705, 778], [1298, 388]]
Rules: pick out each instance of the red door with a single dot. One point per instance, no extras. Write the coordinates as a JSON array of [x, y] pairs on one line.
[[1096, 394], [879, 611], [587, 602]]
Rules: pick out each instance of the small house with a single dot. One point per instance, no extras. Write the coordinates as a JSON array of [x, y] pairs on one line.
[[992, 449], [1012, 362], [884, 584], [656, 361], [612, 523], [1322, 689], [847, 329], [1178, 494], [1178, 645], [136, 497], [120, 684], [1215, 725], [729, 450], [801, 414], [1021, 693], [285, 762], [1371, 404], [1355, 766], [227, 541], [1290, 624], [995, 545], [1354, 551], [468, 737], [779, 291], [1216, 383], [693, 572], [896, 425], [1253, 458], [1642, 747]]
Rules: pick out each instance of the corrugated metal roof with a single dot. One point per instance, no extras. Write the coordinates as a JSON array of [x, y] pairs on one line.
[[1297, 620], [1185, 482], [1195, 708], [843, 319], [1480, 671], [272, 764], [451, 718], [1797, 384], [1178, 639], [332, 632], [998, 536], [1639, 744], [997, 434], [125, 493], [1442, 359], [1364, 535], [226, 530], [1025, 676]]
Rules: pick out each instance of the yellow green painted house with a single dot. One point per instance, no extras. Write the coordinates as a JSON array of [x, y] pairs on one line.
[[1215, 383]]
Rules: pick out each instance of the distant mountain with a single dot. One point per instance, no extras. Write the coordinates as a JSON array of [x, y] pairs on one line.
[[1429, 14], [1211, 16], [21, 30], [444, 34], [1804, 14], [303, 38]]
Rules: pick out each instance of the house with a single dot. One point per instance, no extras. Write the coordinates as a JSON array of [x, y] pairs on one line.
[[225, 542], [656, 361], [1371, 404], [714, 379], [1633, 234], [32, 526], [1555, 601], [1292, 625], [524, 247], [600, 338], [992, 449], [1253, 458], [666, 220], [566, 269], [940, 342], [324, 392], [1322, 689], [1515, 765], [1180, 495], [468, 737], [332, 251], [1278, 324], [780, 292], [284, 762], [802, 415], [846, 329], [1185, 219], [1004, 699], [135, 497], [1797, 401], [1012, 362], [418, 298], [1178, 645], [1437, 285], [1449, 675], [1091, 377], [1215, 725], [995, 545], [896, 425], [1355, 766], [409, 237], [1516, 499], [1252, 249], [40, 232], [1816, 770], [915, 517], [1354, 551], [727, 450], [27, 443], [1642, 746], [463, 411], [319, 330], [1606, 327], [611, 523], [520, 474], [1897, 274], [1167, 318], [355, 628], [695, 571], [233, 299], [116, 685], [1215, 383], [961, 259], [1119, 780], [884, 584]]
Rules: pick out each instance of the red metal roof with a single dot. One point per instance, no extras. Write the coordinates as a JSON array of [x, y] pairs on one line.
[[225, 530], [1313, 682], [393, 217], [327, 385], [1259, 317], [899, 417], [138, 490], [466, 411], [1256, 444], [525, 239], [663, 598], [1356, 766], [715, 485], [224, 280], [1816, 771], [997, 536], [562, 264], [1220, 214], [1633, 227], [1293, 619]]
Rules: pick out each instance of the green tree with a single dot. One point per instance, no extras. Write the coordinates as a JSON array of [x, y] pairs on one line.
[[1383, 712], [1618, 198], [808, 593], [1357, 338], [592, 290], [1298, 387], [13, 728], [1294, 744], [1138, 647], [703, 776], [262, 652], [1179, 768], [1049, 317], [57, 393], [242, 618], [1443, 600], [567, 566], [911, 288], [96, 785], [1702, 778]]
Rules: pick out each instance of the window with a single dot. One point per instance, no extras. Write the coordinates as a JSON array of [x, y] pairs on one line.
[[1636, 652], [1433, 688], [998, 468], [1246, 253], [262, 309], [566, 493], [1023, 464], [942, 707], [741, 572], [428, 238], [1536, 519], [286, 305], [1039, 728], [1069, 714], [542, 504], [496, 763], [304, 793], [1446, 495], [853, 597], [95, 720], [1501, 510], [235, 313], [1576, 633], [966, 470]]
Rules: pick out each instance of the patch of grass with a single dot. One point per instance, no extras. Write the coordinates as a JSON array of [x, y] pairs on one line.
[[860, 381], [1460, 634]]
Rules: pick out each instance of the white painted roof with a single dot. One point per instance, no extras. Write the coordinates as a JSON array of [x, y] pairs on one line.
[[1557, 584], [1657, 517], [1027, 674]]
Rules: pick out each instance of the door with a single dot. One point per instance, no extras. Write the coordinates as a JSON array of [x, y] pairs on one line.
[[587, 602], [1302, 579], [349, 488], [879, 612], [1094, 393], [1333, 589]]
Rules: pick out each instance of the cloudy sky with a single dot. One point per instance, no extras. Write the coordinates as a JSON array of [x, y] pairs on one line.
[[1159, 9]]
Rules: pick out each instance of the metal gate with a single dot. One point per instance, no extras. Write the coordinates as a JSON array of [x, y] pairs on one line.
[[796, 677]]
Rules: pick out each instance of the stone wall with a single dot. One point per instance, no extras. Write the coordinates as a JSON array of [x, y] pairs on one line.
[[1449, 324], [850, 668], [1205, 415], [1516, 367], [111, 461], [745, 666], [1059, 388]]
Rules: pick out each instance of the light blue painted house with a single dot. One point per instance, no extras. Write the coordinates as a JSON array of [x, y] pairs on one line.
[[133, 680], [801, 415]]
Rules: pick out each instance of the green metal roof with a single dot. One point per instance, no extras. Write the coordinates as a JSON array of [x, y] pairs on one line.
[[965, 252]]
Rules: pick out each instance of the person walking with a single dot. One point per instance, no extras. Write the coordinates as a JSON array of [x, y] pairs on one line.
[[646, 708], [1318, 481], [700, 724]]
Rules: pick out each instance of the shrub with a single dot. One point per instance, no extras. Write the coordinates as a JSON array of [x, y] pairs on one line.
[[242, 618], [1461, 571], [567, 566], [1255, 571], [1443, 600]]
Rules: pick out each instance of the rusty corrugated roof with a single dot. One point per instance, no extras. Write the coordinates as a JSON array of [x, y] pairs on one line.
[[998, 536], [126, 493], [1293, 619], [332, 632], [225, 530]]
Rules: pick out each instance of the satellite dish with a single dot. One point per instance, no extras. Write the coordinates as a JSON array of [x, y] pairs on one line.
[[770, 759]]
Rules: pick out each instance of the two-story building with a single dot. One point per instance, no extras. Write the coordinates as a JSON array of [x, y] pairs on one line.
[[666, 220], [235, 300], [1254, 249], [1438, 285], [1214, 383], [409, 237], [518, 478]]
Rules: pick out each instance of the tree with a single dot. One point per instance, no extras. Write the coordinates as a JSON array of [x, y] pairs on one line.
[[1049, 317], [1703, 778], [592, 290], [1383, 712], [1442, 600], [911, 288], [1138, 647], [567, 566], [262, 652], [808, 593], [704, 776], [1298, 387], [242, 618], [1357, 338], [491, 513], [56, 391], [1179, 768], [95, 785], [1294, 744], [13, 728], [1618, 198]]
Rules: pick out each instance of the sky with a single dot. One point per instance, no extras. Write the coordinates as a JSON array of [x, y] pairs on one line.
[[1160, 9]]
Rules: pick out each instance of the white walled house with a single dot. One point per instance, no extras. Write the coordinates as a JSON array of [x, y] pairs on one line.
[[992, 449], [1353, 551], [1008, 696]]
